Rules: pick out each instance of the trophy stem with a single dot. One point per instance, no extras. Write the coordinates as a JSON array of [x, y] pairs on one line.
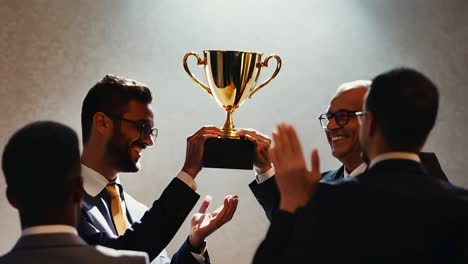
[[229, 128]]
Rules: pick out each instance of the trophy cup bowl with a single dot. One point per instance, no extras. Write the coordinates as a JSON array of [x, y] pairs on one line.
[[232, 77]]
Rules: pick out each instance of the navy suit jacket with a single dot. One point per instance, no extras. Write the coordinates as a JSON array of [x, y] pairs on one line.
[[393, 213], [152, 229], [268, 195]]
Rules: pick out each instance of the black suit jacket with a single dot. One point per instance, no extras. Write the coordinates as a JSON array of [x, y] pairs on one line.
[[268, 195], [393, 213], [428, 159], [151, 230]]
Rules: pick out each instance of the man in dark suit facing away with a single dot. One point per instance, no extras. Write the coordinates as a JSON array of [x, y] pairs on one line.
[[392, 213], [341, 129], [41, 164]]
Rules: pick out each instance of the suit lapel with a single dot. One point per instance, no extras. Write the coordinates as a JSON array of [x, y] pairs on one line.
[[333, 175], [98, 212], [135, 209]]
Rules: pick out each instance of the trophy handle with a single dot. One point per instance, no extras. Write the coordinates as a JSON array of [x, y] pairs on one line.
[[199, 62], [265, 64]]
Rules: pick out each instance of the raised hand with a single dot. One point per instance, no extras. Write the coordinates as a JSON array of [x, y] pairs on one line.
[[262, 160], [295, 182], [195, 147], [203, 224]]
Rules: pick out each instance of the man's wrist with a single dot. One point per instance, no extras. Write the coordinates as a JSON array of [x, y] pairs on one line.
[[291, 204], [195, 246], [263, 169], [190, 171], [187, 179], [261, 177]]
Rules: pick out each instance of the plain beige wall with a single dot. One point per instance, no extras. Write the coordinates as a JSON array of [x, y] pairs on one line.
[[52, 52]]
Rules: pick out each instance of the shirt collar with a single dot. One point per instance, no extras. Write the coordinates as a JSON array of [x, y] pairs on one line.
[[395, 155], [48, 229], [93, 181], [358, 170]]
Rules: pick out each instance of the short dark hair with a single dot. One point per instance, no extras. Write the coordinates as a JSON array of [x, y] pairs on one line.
[[41, 163], [111, 95], [405, 105]]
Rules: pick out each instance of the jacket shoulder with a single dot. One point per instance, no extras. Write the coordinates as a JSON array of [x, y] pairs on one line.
[[122, 256]]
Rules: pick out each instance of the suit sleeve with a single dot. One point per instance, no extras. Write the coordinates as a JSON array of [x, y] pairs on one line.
[[156, 228], [274, 246], [184, 256], [267, 194]]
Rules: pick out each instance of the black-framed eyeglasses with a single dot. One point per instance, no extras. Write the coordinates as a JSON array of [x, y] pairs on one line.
[[360, 115], [145, 129], [341, 117]]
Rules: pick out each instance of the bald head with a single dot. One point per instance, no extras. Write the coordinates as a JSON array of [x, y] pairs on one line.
[[343, 136], [351, 94], [365, 84]]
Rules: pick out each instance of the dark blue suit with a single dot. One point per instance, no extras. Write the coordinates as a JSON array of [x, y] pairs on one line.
[[151, 230], [393, 213]]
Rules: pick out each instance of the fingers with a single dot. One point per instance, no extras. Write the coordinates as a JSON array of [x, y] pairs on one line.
[[232, 207], [273, 156], [286, 142], [315, 161], [206, 132], [206, 202], [259, 139], [289, 138], [254, 134], [195, 149], [226, 212]]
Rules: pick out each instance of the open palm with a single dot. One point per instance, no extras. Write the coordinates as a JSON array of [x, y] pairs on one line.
[[203, 224]]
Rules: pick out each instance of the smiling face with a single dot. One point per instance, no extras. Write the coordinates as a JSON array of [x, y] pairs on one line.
[[125, 147], [344, 140]]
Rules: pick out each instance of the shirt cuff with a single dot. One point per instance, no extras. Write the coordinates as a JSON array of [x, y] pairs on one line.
[[261, 177], [197, 253], [187, 179], [199, 258]]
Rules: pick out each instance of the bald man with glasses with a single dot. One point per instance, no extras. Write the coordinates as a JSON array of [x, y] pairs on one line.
[[341, 128]]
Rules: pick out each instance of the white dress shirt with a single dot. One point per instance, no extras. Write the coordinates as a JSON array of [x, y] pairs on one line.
[[358, 170], [395, 155], [48, 229], [94, 183]]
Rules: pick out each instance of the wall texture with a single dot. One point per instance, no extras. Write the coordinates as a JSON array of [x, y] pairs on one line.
[[53, 51]]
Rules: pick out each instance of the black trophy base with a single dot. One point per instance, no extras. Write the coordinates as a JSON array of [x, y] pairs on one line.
[[228, 153]]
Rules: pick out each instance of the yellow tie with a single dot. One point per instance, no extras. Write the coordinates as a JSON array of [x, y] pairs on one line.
[[120, 217]]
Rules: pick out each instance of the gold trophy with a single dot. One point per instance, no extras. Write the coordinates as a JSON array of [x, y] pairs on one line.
[[232, 77]]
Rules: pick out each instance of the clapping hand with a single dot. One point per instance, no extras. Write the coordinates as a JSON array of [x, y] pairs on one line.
[[295, 182]]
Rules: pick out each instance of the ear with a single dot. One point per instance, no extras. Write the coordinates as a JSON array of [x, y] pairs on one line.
[[102, 123], [11, 198]]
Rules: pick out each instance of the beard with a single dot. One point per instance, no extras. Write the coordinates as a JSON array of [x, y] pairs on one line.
[[118, 153]]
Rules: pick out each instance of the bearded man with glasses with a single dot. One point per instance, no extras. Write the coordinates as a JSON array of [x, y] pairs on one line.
[[118, 125]]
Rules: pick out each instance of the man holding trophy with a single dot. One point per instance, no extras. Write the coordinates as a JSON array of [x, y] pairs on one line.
[[118, 125]]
